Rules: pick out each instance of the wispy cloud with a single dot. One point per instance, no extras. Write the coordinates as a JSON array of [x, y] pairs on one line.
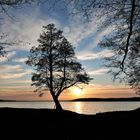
[[77, 32], [9, 71], [8, 56], [29, 27], [15, 82], [26, 30], [94, 55], [14, 75], [20, 60], [100, 71], [8, 68], [98, 37]]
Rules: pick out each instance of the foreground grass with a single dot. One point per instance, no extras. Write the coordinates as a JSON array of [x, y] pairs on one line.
[[53, 124]]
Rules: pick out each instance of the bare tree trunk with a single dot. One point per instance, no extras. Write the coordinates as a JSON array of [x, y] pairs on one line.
[[57, 103]]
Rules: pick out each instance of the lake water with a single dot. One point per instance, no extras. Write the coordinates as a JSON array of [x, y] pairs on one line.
[[79, 107]]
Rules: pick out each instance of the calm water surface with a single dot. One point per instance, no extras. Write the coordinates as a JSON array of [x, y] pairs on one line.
[[79, 107]]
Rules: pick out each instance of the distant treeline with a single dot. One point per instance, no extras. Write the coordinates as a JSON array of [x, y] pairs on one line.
[[1, 100], [108, 99], [82, 100]]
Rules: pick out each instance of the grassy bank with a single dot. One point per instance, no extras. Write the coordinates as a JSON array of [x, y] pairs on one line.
[[70, 125]]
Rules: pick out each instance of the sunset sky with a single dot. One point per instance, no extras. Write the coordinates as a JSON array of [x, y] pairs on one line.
[[26, 26]]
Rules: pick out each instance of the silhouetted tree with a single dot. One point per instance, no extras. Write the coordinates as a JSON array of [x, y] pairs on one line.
[[55, 63], [133, 68], [124, 17]]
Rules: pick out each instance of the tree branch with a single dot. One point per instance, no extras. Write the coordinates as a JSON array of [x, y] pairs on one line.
[[65, 88], [129, 35]]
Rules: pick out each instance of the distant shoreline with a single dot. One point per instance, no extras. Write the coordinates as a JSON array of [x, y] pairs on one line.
[[131, 99], [25, 101], [134, 99]]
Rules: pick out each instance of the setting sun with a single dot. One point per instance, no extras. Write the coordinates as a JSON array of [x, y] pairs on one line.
[[77, 91]]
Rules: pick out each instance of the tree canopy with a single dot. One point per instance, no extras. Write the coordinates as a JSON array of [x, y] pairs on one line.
[[56, 67], [123, 16]]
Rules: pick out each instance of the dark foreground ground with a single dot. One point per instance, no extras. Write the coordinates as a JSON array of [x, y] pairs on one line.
[[48, 124]]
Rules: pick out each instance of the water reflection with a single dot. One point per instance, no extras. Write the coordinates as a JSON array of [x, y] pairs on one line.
[[78, 107]]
